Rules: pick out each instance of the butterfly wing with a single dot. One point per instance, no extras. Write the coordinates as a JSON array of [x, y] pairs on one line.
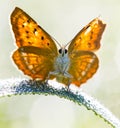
[[33, 61], [36, 49], [28, 33], [88, 38], [83, 62]]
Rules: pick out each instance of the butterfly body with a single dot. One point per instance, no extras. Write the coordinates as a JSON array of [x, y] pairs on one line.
[[61, 67], [38, 57]]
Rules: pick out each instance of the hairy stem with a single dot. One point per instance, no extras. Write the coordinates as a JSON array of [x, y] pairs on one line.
[[11, 87]]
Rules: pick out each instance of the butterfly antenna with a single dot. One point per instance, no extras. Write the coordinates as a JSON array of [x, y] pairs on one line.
[[99, 16], [56, 41], [68, 43]]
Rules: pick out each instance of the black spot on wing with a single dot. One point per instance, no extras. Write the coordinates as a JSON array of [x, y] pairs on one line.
[[42, 37], [35, 30]]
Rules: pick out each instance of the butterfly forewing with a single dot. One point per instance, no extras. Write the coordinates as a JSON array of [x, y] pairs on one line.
[[88, 38], [28, 33]]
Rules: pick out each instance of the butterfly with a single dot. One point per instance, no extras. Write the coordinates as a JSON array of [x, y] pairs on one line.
[[38, 57]]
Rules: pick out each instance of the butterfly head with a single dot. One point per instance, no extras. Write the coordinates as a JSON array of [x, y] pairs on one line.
[[62, 51]]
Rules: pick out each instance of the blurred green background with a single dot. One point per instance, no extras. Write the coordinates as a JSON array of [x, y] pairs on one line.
[[62, 19]]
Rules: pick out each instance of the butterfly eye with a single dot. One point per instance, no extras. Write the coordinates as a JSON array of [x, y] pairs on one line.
[[65, 51], [62, 52]]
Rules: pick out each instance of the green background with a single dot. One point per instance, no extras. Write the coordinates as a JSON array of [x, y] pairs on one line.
[[62, 19]]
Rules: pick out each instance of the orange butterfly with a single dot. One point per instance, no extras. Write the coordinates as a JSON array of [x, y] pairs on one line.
[[37, 54]]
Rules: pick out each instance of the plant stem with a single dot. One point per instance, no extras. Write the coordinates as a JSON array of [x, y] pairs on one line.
[[11, 87]]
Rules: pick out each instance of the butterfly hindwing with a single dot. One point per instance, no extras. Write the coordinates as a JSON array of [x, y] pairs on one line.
[[33, 62], [83, 64]]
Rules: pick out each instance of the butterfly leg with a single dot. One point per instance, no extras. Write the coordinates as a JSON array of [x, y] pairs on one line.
[[46, 81], [68, 85], [48, 77]]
